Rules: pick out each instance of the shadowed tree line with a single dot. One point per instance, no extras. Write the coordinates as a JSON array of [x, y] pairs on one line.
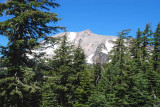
[[131, 78]]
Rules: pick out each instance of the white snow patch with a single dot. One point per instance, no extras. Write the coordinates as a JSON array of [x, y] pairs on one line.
[[89, 59], [56, 46], [46, 61], [104, 51], [36, 51], [72, 36], [30, 56], [76, 42], [49, 51], [47, 45], [109, 46]]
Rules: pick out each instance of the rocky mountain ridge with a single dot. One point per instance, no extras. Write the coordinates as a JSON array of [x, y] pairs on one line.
[[96, 47]]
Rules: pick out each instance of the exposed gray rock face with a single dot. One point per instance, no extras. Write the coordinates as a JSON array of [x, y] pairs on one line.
[[96, 47], [99, 55]]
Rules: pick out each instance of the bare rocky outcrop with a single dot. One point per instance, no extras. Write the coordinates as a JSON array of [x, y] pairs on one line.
[[95, 46]]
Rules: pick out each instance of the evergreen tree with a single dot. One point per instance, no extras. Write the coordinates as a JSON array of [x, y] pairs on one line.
[[60, 70], [156, 62], [142, 66], [69, 81], [156, 50], [124, 82], [27, 25], [82, 79], [146, 41], [119, 70], [112, 85], [137, 93], [97, 70], [152, 73], [48, 96], [151, 76], [135, 45]]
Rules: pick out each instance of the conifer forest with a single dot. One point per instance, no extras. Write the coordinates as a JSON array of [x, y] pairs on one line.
[[131, 78]]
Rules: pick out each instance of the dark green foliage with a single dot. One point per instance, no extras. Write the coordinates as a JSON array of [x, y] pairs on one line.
[[83, 81], [61, 69], [146, 41], [135, 45], [131, 78], [97, 100], [112, 84], [27, 25], [118, 93], [97, 72], [156, 50], [69, 80], [48, 96]]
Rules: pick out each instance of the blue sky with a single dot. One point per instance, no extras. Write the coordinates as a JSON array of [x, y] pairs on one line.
[[106, 17]]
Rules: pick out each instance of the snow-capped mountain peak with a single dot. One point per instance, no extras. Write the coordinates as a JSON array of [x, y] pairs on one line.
[[95, 46]]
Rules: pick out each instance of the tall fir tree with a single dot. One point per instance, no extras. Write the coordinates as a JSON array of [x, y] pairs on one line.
[[60, 70], [112, 86], [82, 83], [143, 67], [97, 69], [146, 41], [28, 23], [124, 82], [156, 50], [69, 80], [151, 75], [153, 71], [119, 66], [135, 45]]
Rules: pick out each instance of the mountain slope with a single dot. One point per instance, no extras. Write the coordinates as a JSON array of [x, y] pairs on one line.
[[96, 47]]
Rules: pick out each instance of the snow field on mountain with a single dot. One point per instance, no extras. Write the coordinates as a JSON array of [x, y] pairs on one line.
[[71, 37], [104, 51], [89, 59], [109, 46]]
